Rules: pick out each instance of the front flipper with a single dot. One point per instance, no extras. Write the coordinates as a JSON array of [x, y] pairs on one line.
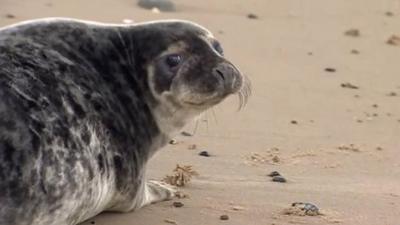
[[157, 191]]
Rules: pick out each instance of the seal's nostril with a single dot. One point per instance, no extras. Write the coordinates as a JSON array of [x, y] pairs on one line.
[[220, 74]]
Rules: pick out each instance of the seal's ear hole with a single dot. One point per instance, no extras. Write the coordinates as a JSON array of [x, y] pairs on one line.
[[173, 60]]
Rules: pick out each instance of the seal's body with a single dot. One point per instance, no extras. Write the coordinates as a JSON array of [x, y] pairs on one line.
[[83, 106]]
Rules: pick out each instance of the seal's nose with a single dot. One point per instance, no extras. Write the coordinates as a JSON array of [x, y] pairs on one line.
[[229, 76]]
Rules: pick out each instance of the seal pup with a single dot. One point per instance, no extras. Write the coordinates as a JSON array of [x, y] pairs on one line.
[[84, 105]]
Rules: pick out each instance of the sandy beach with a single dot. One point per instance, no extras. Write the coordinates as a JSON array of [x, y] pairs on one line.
[[325, 111]]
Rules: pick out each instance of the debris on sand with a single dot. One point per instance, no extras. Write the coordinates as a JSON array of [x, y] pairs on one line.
[[274, 174], [170, 221], [352, 33], [161, 5], [355, 52], [389, 14], [224, 217], [252, 16], [173, 142], [279, 179], [350, 147], [302, 209], [331, 70], [10, 16], [178, 204], [294, 122], [186, 134], [349, 85], [182, 175], [392, 94], [181, 195], [394, 40], [204, 153]]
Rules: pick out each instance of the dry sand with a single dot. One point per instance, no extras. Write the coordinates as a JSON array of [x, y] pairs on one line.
[[285, 53]]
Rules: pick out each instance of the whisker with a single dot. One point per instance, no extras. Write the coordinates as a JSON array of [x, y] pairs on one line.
[[244, 93]]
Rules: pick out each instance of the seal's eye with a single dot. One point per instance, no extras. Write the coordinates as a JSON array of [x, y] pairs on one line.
[[173, 60], [218, 48]]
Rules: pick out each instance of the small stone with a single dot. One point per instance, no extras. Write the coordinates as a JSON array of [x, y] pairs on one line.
[[10, 16], [388, 13], [252, 16], [379, 148], [279, 179], [359, 121], [224, 217], [355, 52], [170, 221], [204, 153], [375, 114], [187, 134], [160, 5], [274, 174], [178, 204], [331, 70], [375, 105], [392, 94], [357, 96], [349, 85], [293, 122], [352, 33], [309, 53], [393, 40], [173, 142], [307, 208], [92, 222]]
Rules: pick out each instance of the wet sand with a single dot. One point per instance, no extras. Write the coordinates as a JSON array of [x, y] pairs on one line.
[[338, 147]]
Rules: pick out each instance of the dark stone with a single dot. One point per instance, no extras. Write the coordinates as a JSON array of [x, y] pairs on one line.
[[204, 153], [224, 217], [178, 204], [331, 70], [274, 174], [252, 16], [279, 179]]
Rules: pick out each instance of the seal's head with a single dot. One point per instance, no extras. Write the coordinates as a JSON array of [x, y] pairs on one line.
[[187, 70]]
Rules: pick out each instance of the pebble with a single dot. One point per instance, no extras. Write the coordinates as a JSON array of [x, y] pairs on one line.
[[274, 174], [308, 208], [161, 5], [293, 122], [178, 204], [279, 179], [352, 33], [224, 217], [355, 51], [173, 142], [349, 85], [394, 40], [331, 70], [252, 16], [10, 16], [204, 153], [187, 134]]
